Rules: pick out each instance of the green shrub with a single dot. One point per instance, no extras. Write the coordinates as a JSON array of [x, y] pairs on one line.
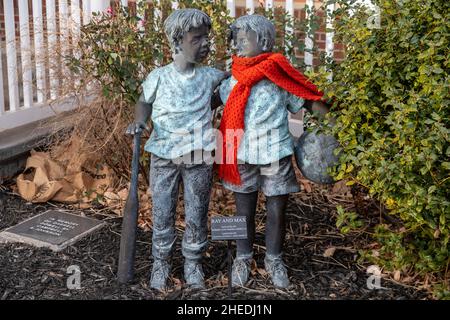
[[118, 54], [391, 105], [347, 221]]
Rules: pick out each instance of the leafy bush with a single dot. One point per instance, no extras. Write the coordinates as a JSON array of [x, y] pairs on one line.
[[117, 52], [391, 105], [347, 221]]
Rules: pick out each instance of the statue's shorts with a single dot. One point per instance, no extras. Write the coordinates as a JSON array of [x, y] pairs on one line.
[[274, 179]]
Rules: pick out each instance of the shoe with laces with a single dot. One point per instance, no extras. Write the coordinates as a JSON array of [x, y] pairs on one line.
[[277, 271], [240, 271], [193, 274], [160, 274]]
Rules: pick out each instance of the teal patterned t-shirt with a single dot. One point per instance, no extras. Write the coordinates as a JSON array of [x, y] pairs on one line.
[[181, 110], [266, 132]]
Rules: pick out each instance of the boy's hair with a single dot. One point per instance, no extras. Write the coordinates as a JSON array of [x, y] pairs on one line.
[[181, 21], [264, 29]]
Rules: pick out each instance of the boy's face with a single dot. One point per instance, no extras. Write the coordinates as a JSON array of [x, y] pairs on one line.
[[246, 43], [195, 44]]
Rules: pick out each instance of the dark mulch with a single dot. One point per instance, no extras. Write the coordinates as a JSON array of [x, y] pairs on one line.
[[32, 273]]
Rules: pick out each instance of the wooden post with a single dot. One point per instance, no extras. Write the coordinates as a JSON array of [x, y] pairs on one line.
[[250, 6], [99, 5], [11, 55], [2, 93], [329, 44], [231, 6], [86, 12], [25, 53], [52, 43], [39, 50], [309, 39]]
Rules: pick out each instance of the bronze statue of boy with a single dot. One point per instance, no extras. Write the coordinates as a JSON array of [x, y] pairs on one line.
[[177, 97], [264, 87]]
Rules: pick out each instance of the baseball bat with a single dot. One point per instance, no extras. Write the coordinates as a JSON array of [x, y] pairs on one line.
[[125, 271]]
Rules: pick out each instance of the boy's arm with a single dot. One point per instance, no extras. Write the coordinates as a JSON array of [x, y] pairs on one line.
[[317, 108], [216, 100], [142, 111]]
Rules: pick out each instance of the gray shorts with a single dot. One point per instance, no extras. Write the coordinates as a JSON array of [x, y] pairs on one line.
[[273, 179]]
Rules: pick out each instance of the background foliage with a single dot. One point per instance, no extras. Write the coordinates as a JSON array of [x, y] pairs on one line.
[[391, 104]]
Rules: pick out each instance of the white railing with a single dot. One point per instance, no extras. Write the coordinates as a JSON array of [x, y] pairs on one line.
[[31, 80], [26, 96]]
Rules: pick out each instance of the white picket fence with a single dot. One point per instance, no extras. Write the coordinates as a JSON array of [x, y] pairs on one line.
[[26, 97]]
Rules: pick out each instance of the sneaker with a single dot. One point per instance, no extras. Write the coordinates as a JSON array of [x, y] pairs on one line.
[[193, 274], [160, 274], [240, 271], [277, 271]]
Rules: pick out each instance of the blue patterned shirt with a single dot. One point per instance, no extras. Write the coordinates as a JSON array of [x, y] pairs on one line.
[[266, 132], [181, 110]]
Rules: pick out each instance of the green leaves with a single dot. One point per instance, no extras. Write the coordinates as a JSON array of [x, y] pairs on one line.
[[347, 221], [393, 122]]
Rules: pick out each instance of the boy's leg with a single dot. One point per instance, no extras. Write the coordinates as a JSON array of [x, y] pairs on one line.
[[275, 233], [245, 206], [197, 181], [164, 184], [275, 224], [276, 186], [246, 197]]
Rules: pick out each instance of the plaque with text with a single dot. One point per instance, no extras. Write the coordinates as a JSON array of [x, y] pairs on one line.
[[52, 229], [228, 228]]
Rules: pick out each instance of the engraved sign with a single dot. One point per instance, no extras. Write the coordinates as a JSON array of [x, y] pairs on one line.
[[228, 228], [53, 229]]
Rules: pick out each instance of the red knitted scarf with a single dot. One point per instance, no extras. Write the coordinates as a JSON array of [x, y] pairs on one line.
[[248, 72]]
